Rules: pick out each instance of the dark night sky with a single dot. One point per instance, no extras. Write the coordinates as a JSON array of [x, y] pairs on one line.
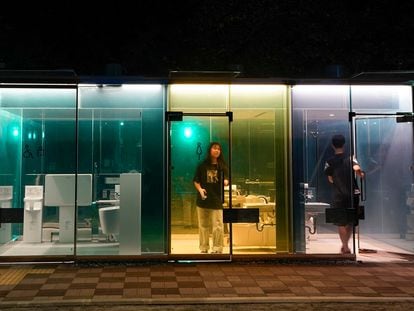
[[266, 37]]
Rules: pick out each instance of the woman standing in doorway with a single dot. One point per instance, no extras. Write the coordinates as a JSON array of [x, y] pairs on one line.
[[210, 178]]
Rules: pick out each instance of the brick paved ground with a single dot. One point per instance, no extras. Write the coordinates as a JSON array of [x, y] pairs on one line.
[[216, 285], [303, 306]]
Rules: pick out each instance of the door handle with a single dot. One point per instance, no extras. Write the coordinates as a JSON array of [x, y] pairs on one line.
[[363, 188]]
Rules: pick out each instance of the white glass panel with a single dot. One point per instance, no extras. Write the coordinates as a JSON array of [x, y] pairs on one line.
[[381, 98]]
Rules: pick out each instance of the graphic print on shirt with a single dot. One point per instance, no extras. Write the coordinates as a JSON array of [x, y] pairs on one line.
[[212, 177]]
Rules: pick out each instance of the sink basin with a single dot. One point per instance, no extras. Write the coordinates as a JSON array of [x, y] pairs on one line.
[[316, 207], [263, 207]]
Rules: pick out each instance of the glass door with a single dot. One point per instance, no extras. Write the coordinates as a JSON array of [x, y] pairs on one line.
[[383, 145], [196, 227]]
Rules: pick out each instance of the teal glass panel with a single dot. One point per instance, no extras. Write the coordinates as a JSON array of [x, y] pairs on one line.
[[122, 96], [10, 169], [45, 144], [153, 199], [110, 140], [121, 132], [37, 98], [48, 141], [10, 141]]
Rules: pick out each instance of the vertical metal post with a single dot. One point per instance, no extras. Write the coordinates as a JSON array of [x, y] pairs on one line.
[[352, 123], [75, 223], [230, 121]]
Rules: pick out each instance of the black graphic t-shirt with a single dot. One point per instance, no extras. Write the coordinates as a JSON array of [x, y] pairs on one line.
[[211, 177]]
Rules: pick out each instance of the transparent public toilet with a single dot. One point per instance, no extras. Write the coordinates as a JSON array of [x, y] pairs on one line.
[[250, 121], [97, 170], [376, 121], [38, 138], [121, 145], [107, 140]]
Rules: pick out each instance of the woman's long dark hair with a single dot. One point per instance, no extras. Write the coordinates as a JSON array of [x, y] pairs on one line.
[[220, 160]]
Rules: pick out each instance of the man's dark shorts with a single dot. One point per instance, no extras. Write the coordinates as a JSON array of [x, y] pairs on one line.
[[343, 205]]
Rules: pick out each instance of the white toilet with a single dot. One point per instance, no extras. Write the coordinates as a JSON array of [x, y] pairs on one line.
[[109, 217]]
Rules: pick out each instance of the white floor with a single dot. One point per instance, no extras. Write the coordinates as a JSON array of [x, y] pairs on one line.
[[382, 248], [369, 248], [19, 248]]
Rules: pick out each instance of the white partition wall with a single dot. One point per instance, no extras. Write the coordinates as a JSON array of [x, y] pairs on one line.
[[60, 191], [130, 214], [6, 197]]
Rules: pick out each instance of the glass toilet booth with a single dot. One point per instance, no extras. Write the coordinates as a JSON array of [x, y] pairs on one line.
[[107, 140], [376, 121], [318, 113], [382, 123], [121, 146], [134, 171], [250, 122], [38, 137]]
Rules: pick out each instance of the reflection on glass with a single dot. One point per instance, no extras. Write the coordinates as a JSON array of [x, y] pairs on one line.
[[384, 149]]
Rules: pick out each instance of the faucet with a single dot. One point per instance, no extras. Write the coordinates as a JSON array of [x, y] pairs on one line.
[[263, 198], [307, 196]]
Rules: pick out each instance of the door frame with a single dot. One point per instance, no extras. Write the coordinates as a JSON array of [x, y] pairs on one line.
[[177, 116], [400, 117]]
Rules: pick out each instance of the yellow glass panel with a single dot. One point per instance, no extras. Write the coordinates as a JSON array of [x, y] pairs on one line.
[[198, 97], [258, 96], [259, 167]]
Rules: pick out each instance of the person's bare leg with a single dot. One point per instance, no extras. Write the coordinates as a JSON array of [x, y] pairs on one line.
[[345, 233], [349, 233]]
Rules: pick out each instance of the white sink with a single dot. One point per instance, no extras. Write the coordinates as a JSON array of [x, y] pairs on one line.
[[263, 207], [316, 207]]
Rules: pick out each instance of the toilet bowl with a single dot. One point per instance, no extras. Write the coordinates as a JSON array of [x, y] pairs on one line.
[[109, 219]]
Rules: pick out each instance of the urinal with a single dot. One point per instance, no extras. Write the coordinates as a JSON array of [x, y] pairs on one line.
[[32, 222], [33, 199], [109, 217], [6, 195]]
